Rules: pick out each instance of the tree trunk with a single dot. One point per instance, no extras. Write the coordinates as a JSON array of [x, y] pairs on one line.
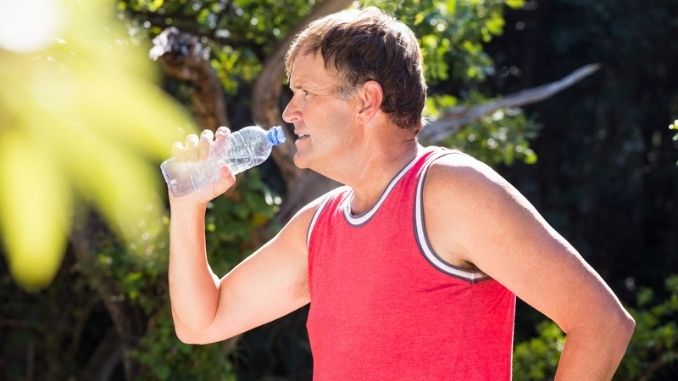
[[302, 185], [105, 359], [126, 320]]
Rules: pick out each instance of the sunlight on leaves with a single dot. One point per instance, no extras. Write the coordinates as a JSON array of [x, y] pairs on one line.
[[28, 25], [34, 207], [82, 120]]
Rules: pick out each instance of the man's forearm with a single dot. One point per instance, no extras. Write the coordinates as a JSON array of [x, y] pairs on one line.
[[595, 354], [193, 287]]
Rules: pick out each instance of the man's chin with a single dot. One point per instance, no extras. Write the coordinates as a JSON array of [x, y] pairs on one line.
[[299, 161]]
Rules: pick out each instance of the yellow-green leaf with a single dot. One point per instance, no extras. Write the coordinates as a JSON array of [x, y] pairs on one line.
[[34, 209], [451, 7], [515, 3]]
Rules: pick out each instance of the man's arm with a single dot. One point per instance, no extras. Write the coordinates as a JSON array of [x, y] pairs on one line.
[[270, 283], [476, 217]]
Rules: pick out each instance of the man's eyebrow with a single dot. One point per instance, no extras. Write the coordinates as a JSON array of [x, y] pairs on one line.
[[295, 83]]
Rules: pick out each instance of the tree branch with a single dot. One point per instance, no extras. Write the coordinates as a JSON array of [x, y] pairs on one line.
[[184, 58], [455, 118]]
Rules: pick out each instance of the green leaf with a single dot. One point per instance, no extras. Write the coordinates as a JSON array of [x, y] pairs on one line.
[[34, 209], [154, 5], [495, 24], [87, 123], [451, 6], [515, 4]]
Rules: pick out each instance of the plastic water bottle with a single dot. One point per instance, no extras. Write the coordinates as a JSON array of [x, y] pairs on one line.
[[247, 147]]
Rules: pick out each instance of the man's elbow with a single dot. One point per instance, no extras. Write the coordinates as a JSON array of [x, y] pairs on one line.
[[613, 325], [202, 337], [619, 325], [626, 324], [187, 336]]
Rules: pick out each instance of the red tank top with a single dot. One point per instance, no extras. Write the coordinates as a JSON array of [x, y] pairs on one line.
[[385, 306]]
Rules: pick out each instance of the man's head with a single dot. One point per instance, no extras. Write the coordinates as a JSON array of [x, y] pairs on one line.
[[365, 45]]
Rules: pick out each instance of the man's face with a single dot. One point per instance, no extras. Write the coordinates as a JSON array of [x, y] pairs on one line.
[[322, 119]]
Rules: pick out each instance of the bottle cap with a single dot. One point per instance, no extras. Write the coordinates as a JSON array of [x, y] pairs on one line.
[[276, 135]]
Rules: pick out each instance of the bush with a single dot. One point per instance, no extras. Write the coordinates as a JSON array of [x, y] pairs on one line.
[[650, 355]]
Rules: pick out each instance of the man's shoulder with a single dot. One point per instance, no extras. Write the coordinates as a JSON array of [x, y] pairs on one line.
[[464, 187], [324, 198], [305, 214], [457, 171]]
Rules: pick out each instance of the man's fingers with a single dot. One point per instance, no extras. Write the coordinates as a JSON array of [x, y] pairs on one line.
[[222, 133], [223, 130], [192, 141], [206, 139], [179, 151], [226, 180], [221, 141]]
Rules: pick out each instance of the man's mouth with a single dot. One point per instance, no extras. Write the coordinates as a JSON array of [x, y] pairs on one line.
[[302, 136]]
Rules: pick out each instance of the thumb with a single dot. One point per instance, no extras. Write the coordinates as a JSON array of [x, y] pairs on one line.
[[225, 182]]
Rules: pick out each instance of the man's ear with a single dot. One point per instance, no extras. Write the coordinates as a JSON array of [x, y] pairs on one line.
[[370, 97]]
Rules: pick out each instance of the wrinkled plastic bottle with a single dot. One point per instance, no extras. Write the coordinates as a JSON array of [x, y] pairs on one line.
[[247, 147]]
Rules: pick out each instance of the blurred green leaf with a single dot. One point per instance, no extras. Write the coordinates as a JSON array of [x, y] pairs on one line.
[[84, 121], [515, 3], [34, 208]]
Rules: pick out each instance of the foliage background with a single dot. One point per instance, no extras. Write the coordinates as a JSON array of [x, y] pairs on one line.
[[597, 160]]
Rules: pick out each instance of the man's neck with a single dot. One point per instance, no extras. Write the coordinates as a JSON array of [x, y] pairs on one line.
[[373, 173]]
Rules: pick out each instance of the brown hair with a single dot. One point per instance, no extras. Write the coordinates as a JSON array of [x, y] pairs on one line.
[[368, 45]]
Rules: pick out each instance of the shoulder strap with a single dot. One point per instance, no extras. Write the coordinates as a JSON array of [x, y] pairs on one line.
[[319, 208], [420, 227]]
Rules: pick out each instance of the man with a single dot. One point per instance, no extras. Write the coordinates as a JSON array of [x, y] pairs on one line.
[[412, 268]]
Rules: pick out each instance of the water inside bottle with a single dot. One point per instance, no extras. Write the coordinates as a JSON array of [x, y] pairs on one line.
[[238, 165]]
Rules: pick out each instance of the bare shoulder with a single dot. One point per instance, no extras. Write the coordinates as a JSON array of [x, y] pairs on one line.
[[466, 180], [476, 217], [294, 233], [466, 202]]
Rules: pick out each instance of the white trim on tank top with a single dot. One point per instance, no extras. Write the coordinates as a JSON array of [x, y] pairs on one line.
[[420, 230], [360, 219], [318, 209]]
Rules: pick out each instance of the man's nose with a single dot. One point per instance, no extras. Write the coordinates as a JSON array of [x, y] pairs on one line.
[[292, 112]]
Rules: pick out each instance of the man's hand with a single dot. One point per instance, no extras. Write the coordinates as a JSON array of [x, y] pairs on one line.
[[194, 149], [270, 283]]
